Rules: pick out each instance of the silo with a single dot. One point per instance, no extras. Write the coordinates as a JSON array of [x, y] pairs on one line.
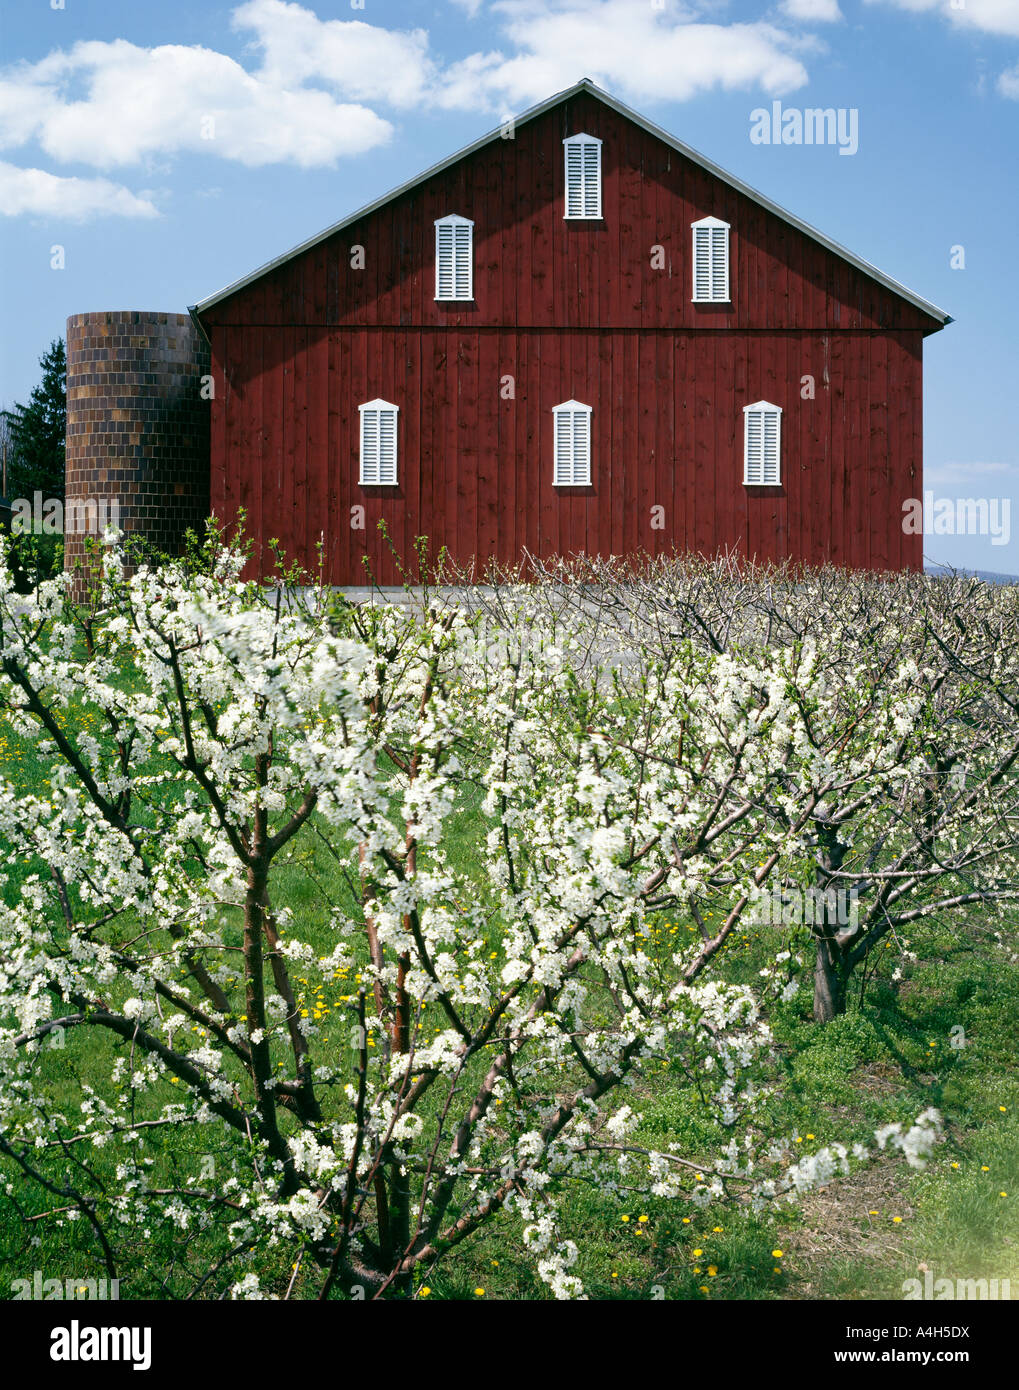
[[137, 427]]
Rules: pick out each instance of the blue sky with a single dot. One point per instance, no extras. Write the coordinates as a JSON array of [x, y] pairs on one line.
[[107, 149]]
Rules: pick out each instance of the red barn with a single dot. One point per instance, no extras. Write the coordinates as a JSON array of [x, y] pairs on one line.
[[577, 334]]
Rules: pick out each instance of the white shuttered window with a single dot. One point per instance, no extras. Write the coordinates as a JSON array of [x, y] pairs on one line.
[[454, 258], [710, 261], [572, 446], [583, 176], [762, 450], [378, 443]]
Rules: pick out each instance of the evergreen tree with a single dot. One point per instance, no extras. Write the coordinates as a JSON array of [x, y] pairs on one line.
[[35, 460]]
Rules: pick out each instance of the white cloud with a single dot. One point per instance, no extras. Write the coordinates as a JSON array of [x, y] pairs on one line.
[[308, 89], [38, 192], [1008, 83], [626, 45], [812, 11], [640, 53], [109, 104], [990, 16], [362, 61]]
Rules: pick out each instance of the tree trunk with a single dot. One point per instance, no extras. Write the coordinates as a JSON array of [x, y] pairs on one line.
[[830, 973], [829, 982], [261, 1054]]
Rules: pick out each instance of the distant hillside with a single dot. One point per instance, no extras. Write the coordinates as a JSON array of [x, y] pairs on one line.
[[988, 576]]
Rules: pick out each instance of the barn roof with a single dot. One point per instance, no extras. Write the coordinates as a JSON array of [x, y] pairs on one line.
[[585, 85]]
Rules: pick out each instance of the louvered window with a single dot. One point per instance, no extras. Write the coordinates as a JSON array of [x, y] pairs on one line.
[[454, 258], [710, 261], [572, 449], [762, 445], [583, 176], [378, 443]]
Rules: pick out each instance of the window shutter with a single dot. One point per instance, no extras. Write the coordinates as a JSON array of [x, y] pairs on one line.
[[583, 176], [378, 444], [443, 260], [464, 260], [592, 179], [574, 181], [387, 445], [762, 445], [454, 258], [572, 445], [720, 263], [711, 261], [702, 262], [754, 466]]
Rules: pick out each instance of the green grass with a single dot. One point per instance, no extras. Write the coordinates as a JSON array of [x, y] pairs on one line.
[[889, 1057]]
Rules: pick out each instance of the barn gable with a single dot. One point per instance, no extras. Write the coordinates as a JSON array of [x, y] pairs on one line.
[[581, 337], [536, 267]]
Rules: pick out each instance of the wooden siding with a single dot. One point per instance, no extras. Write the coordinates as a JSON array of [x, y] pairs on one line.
[[569, 309], [475, 469], [535, 269]]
